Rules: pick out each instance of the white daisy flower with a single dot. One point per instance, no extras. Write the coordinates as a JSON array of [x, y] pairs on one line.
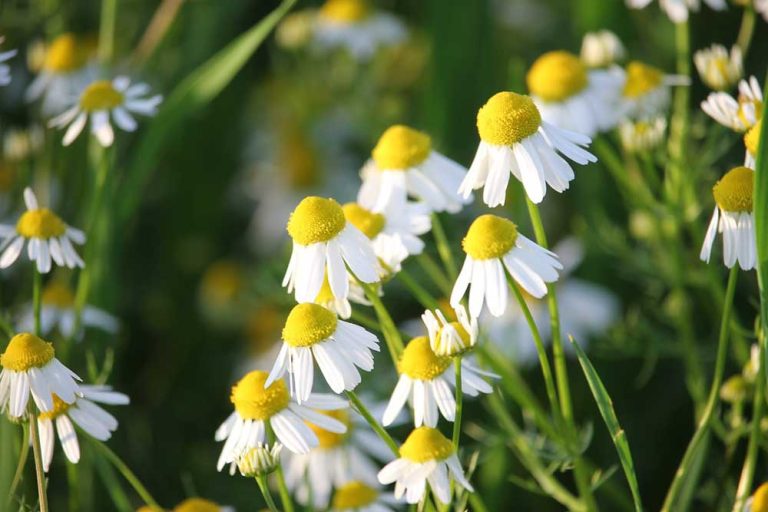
[[323, 241], [257, 407], [642, 135], [21, 143], [101, 99], [403, 164], [200, 505], [29, 366], [450, 338], [571, 97], [426, 380], [343, 306], [5, 69], [647, 92], [751, 144], [357, 496], [260, 460], [514, 139], [66, 67], [83, 412], [677, 10], [717, 69], [733, 217], [338, 347], [50, 239], [601, 49], [354, 26], [425, 456], [493, 244], [738, 114]]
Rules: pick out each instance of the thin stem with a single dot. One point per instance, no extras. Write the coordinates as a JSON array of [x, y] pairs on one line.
[[678, 128], [420, 294], [37, 284], [443, 247], [129, 475], [365, 413], [264, 488], [459, 404], [38, 455], [282, 488], [683, 471], [23, 456], [107, 31], [746, 30], [433, 270], [388, 327]]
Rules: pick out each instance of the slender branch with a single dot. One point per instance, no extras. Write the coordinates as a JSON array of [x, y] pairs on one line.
[[285, 497], [746, 30], [365, 413], [443, 247], [261, 480], [23, 456], [38, 456], [129, 475], [459, 404]]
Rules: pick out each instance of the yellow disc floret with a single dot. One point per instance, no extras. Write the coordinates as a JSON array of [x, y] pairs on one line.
[[58, 294], [345, 11], [556, 76], [641, 79], [760, 499], [40, 223], [400, 148], [26, 351], [331, 439], [59, 407], [353, 495], [489, 237], [507, 118], [65, 54], [418, 361], [425, 444], [733, 193], [197, 505], [370, 223], [100, 95], [308, 324], [253, 402], [316, 220], [752, 138]]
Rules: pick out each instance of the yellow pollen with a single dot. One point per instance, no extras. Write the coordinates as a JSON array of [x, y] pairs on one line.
[[760, 499], [308, 324], [197, 505], [40, 223], [65, 55], [400, 148], [556, 76], [752, 138], [425, 444], [330, 439], [418, 361], [733, 193], [253, 402], [370, 223], [507, 118], [489, 237], [345, 11], [100, 95], [26, 351], [466, 339], [58, 294], [315, 220], [354, 495], [641, 79], [59, 407]]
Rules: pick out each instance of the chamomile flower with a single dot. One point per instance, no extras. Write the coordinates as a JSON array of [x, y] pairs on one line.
[[323, 241], [425, 456], [570, 96], [758, 502], [357, 496], [733, 218], [83, 412], [601, 49], [343, 306], [201, 505], [514, 139], [29, 365], [717, 69], [338, 347], [48, 238], [257, 407], [642, 134], [354, 26], [646, 90], [426, 379], [449, 338], [259, 460], [751, 144], [102, 99], [493, 244], [740, 113], [677, 10], [403, 164], [5, 69]]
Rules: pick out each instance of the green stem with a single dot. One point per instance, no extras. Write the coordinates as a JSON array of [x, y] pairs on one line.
[[282, 488], [23, 456], [37, 285], [746, 30], [129, 475], [420, 294], [388, 327], [678, 128], [365, 413], [459, 404], [683, 471], [107, 31], [38, 455], [444, 248], [261, 480], [433, 270]]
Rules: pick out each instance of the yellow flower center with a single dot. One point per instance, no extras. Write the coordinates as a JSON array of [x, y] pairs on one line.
[[641, 79], [418, 361], [425, 444], [253, 402], [308, 324], [315, 220], [507, 118], [733, 193], [58, 294], [26, 351], [401, 147], [752, 138], [197, 505], [757, 108], [353, 495], [325, 295], [464, 336], [760, 499], [40, 223], [59, 407], [368, 222], [65, 55], [345, 11], [331, 439], [556, 76], [100, 95], [489, 237]]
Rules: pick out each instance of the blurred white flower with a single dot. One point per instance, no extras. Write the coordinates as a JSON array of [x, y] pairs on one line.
[[643, 134], [751, 144], [5, 69], [717, 69], [647, 92], [601, 49], [259, 460], [677, 10], [740, 113]]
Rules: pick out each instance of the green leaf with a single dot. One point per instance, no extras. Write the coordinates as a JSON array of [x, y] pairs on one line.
[[760, 209], [196, 91], [605, 405]]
